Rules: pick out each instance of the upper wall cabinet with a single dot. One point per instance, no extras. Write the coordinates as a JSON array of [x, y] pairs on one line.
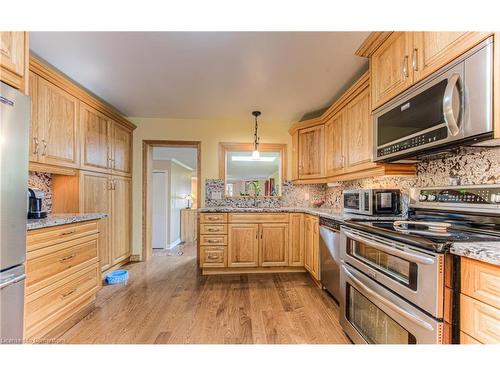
[[338, 145], [72, 129], [404, 58], [54, 131], [390, 68], [14, 59], [95, 129], [310, 152], [121, 138]]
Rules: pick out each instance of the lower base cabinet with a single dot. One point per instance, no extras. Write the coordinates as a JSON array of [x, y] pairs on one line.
[[263, 242], [102, 193], [62, 275], [311, 245]]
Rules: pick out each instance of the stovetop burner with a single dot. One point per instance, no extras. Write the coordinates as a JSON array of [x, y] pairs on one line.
[[413, 235]]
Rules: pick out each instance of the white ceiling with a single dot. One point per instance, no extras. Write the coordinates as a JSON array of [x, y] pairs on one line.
[[187, 156], [209, 75]]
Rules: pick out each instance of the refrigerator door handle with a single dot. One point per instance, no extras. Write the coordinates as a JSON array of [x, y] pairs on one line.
[[12, 280]]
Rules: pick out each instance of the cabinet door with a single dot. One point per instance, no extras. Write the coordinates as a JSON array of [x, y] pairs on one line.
[[95, 128], [359, 147], [311, 157], [120, 221], [334, 145], [95, 197], [122, 145], [308, 242], [390, 68], [243, 245], [34, 138], [12, 58], [273, 244], [315, 248], [433, 50], [295, 156], [57, 125], [296, 242]]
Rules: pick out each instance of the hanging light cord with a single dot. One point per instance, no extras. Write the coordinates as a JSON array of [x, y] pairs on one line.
[[256, 138]]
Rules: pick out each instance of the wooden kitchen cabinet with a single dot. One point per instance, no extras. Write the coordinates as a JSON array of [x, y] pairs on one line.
[[57, 117], [390, 68], [273, 244], [334, 144], [95, 136], [243, 245], [479, 302], [346, 150], [121, 219], [34, 141], [296, 241], [358, 125], [310, 152], [404, 58], [14, 54], [311, 245], [121, 158], [434, 49], [96, 197]]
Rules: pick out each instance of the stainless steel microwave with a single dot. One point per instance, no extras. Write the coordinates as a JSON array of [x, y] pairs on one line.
[[372, 201], [452, 107]]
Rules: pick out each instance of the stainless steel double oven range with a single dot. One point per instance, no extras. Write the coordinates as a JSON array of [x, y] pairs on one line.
[[392, 272]]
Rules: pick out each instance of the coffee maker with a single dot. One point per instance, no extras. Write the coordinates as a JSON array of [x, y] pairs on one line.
[[35, 199]]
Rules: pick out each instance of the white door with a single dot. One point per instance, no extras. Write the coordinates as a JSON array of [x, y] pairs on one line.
[[159, 203]]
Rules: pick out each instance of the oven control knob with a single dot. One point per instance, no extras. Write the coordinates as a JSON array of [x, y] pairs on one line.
[[431, 197], [422, 197]]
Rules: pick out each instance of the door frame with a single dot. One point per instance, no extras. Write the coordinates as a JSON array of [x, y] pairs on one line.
[[147, 163]]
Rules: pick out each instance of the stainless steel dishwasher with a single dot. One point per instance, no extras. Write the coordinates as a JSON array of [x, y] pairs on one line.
[[329, 242]]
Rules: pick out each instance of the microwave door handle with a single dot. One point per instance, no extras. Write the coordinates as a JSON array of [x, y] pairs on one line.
[[449, 117], [398, 253], [359, 284]]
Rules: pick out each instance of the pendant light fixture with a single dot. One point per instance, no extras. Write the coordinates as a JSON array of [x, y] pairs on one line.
[[255, 153]]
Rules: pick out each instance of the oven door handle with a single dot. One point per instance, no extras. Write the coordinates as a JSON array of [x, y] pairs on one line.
[[449, 116], [386, 302], [398, 253]]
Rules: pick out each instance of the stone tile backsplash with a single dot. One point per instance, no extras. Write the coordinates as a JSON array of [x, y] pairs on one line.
[[471, 165], [42, 181]]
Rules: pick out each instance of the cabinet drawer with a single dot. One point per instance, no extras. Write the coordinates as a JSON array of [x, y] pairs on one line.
[[48, 265], [479, 320], [46, 306], [258, 218], [213, 239], [213, 256], [44, 237], [213, 229], [213, 218], [481, 281]]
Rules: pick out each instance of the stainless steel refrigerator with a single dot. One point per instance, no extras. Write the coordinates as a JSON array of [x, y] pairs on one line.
[[15, 116]]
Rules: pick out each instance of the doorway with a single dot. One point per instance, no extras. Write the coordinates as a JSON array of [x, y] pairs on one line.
[[171, 192]]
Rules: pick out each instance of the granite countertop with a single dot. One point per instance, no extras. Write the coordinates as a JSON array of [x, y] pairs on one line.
[[488, 252], [61, 219], [328, 213]]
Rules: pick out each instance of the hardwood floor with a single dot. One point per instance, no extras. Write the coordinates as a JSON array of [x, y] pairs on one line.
[[166, 301]]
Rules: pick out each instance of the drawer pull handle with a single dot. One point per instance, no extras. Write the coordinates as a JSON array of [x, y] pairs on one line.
[[213, 218], [213, 230], [68, 232], [213, 257], [68, 294], [214, 241], [66, 258]]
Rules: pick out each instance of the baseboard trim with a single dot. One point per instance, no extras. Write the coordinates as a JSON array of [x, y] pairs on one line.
[[135, 258], [237, 271]]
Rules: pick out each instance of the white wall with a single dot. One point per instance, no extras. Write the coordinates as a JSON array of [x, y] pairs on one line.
[[180, 186]]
